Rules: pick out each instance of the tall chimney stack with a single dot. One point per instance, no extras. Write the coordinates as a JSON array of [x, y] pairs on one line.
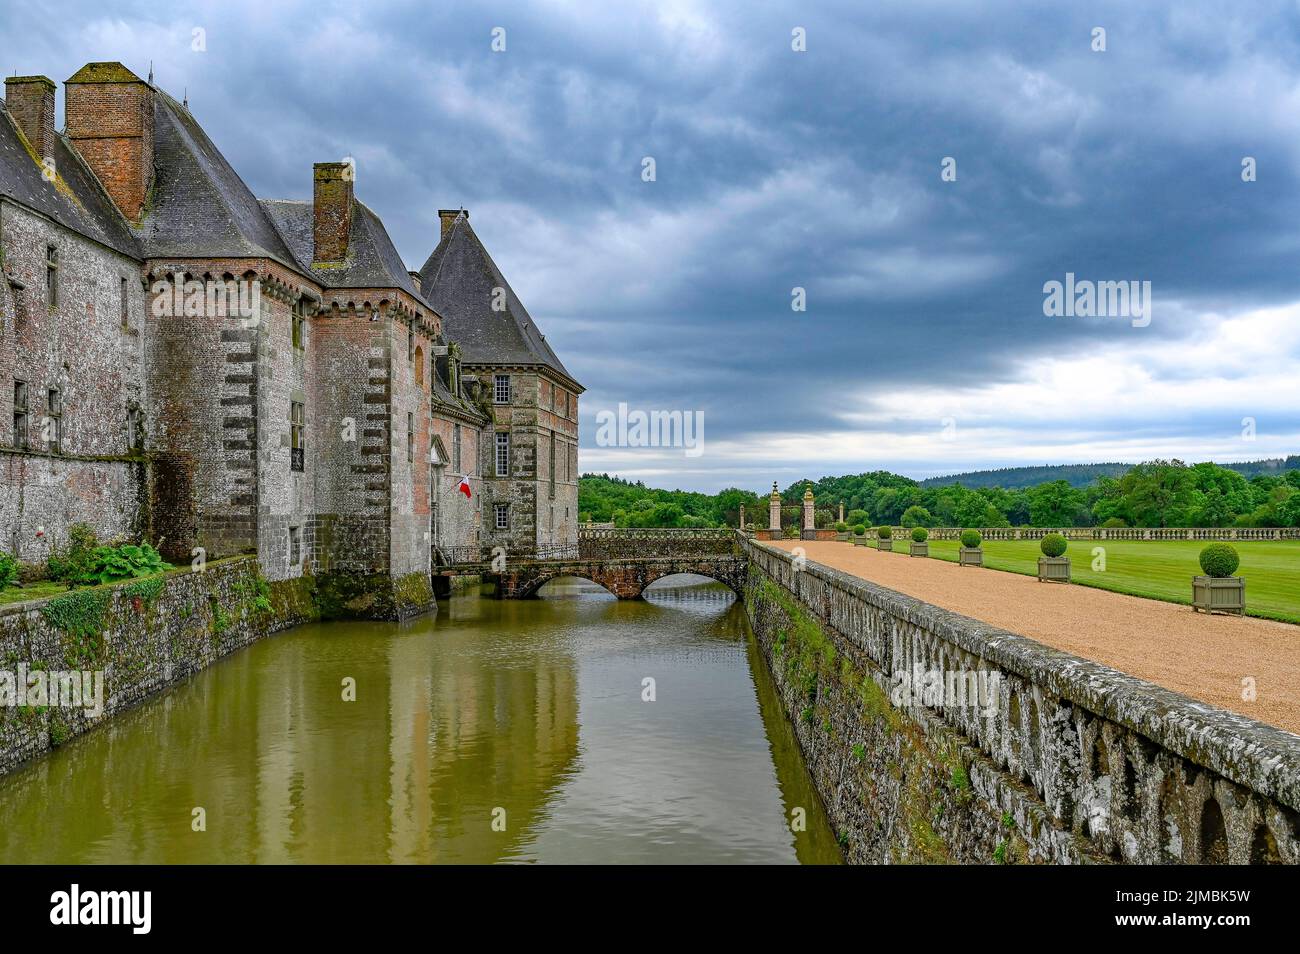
[[110, 123], [448, 217], [31, 103], [331, 211]]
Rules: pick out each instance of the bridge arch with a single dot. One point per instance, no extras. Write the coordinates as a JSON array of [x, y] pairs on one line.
[[736, 586], [534, 587], [626, 579]]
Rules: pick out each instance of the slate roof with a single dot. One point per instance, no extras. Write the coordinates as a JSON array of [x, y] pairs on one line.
[[75, 199], [457, 281], [372, 260], [200, 207]]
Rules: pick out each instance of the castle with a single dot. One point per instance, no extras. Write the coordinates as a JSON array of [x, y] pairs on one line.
[[183, 362]]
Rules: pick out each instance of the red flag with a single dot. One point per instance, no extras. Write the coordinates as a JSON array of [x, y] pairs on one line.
[[464, 487]]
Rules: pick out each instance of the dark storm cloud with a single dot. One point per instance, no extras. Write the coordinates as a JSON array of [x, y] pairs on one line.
[[778, 169]]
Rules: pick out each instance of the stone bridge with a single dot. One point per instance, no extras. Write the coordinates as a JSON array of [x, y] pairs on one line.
[[624, 562]]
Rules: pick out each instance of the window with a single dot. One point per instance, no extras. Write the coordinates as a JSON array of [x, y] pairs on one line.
[[20, 414], [455, 448], [54, 419], [501, 516], [299, 326], [297, 428], [552, 472], [134, 429], [295, 546], [410, 437], [503, 454], [410, 343], [501, 389], [126, 304], [52, 274]]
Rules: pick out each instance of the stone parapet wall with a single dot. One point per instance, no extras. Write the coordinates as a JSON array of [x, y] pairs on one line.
[[1070, 761], [1114, 533]]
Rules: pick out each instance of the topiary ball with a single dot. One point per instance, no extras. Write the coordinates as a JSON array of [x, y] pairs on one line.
[[971, 539], [1053, 545], [885, 532], [859, 530], [1220, 559], [840, 526], [920, 534]]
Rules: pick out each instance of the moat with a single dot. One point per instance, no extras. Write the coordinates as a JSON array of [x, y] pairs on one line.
[[529, 713]]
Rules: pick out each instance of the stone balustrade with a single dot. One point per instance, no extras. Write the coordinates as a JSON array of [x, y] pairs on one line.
[[1126, 769]]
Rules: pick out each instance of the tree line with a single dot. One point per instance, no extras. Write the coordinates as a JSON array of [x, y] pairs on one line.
[[1158, 493]]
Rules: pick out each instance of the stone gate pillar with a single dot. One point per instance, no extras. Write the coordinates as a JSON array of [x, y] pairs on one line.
[[809, 523], [774, 510], [742, 516], [841, 511]]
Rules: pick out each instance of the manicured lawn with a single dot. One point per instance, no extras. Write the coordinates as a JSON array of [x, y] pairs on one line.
[[33, 591], [1158, 570]]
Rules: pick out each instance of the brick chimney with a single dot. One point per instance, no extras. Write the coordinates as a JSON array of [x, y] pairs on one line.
[[415, 279], [110, 123], [448, 217], [331, 211], [31, 103]]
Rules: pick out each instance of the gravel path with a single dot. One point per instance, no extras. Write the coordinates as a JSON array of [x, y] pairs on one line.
[[1205, 657]]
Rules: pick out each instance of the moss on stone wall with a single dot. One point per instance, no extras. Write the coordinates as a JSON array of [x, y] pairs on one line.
[[144, 635], [892, 793], [374, 596]]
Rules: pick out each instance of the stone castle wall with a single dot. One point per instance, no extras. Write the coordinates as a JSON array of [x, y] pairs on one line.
[[83, 347], [541, 514]]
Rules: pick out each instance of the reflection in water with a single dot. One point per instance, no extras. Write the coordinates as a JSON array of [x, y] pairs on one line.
[[531, 707]]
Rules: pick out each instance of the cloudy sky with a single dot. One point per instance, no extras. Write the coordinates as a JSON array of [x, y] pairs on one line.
[[924, 347]]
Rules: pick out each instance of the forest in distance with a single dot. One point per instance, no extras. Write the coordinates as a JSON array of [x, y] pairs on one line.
[[1158, 493]]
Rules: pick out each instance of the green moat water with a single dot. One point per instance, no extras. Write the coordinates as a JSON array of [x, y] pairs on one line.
[[534, 707]]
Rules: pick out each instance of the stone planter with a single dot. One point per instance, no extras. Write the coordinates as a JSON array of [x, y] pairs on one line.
[[921, 549], [1053, 569], [843, 537], [970, 556], [1219, 594], [860, 541], [884, 544]]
